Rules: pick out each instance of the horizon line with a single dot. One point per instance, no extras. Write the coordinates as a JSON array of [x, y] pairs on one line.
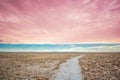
[[68, 43]]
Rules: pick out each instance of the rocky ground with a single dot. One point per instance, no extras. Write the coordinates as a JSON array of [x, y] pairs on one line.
[[100, 66], [30, 66]]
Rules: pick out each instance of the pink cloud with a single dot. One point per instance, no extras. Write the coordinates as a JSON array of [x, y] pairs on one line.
[[59, 21]]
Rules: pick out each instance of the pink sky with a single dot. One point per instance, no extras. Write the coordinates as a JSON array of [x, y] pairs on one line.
[[59, 21]]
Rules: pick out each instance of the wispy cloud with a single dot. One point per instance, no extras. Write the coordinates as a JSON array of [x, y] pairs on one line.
[[59, 21], [97, 49]]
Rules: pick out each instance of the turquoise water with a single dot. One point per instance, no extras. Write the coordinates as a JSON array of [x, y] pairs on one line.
[[58, 47]]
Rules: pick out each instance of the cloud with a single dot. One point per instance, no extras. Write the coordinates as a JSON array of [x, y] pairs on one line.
[[66, 21], [1, 40], [115, 48]]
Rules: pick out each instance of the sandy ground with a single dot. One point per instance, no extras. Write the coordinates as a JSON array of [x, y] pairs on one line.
[[43, 66], [30, 66], [100, 66], [70, 70]]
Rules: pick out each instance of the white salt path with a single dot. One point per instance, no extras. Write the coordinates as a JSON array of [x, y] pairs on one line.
[[69, 70]]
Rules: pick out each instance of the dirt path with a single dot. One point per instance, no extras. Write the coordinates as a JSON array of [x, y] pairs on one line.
[[69, 70]]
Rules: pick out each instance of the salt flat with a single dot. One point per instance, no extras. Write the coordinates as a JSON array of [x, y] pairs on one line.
[[70, 70]]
